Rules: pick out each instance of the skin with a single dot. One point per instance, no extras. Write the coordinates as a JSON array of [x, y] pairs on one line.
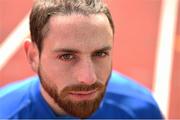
[[77, 50]]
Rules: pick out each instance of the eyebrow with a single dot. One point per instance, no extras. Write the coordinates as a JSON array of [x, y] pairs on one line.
[[68, 50], [71, 50], [104, 49]]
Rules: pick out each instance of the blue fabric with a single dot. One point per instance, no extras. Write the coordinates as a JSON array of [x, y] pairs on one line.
[[124, 98]]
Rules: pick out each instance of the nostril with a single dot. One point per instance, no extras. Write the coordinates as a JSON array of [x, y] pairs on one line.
[[87, 78]]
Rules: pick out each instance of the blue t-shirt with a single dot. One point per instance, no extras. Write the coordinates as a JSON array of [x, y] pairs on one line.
[[124, 98]]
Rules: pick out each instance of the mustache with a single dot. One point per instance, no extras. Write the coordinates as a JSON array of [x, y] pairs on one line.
[[84, 87]]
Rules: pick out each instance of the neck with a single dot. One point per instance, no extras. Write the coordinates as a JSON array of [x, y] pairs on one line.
[[51, 102]]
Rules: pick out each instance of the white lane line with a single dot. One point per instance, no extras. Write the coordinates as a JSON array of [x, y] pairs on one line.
[[164, 56], [13, 42]]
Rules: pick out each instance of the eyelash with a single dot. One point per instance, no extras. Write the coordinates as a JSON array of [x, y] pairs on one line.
[[64, 57], [101, 54], [69, 57]]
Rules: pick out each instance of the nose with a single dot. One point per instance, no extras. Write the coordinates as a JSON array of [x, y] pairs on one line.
[[86, 73]]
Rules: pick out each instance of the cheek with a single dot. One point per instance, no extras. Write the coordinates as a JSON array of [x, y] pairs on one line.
[[103, 69], [59, 74]]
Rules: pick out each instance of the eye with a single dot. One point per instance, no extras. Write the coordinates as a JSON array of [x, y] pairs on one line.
[[101, 54], [66, 57]]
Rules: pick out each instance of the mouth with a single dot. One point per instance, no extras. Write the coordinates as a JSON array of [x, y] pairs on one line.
[[82, 95]]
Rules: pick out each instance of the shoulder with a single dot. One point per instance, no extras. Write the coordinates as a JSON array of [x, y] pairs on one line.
[[15, 97], [122, 85], [129, 99]]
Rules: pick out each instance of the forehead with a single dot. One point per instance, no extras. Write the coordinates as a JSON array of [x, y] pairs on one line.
[[78, 31]]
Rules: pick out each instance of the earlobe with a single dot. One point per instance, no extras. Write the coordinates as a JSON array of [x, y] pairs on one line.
[[32, 54]]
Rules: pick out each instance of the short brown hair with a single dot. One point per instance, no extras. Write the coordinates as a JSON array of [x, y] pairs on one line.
[[43, 9]]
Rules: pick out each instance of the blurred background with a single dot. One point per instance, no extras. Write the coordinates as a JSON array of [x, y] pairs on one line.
[[147, 45]]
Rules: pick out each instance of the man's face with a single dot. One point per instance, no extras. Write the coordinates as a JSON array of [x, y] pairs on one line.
[[76, 62]]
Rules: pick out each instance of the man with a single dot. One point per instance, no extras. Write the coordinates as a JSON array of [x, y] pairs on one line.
[[71, 51]]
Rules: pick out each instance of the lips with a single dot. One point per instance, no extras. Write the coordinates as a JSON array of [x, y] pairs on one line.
[[82, 92], [82, 95]]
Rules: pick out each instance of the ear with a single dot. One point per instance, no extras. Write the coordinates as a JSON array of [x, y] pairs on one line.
[[32, 54]]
